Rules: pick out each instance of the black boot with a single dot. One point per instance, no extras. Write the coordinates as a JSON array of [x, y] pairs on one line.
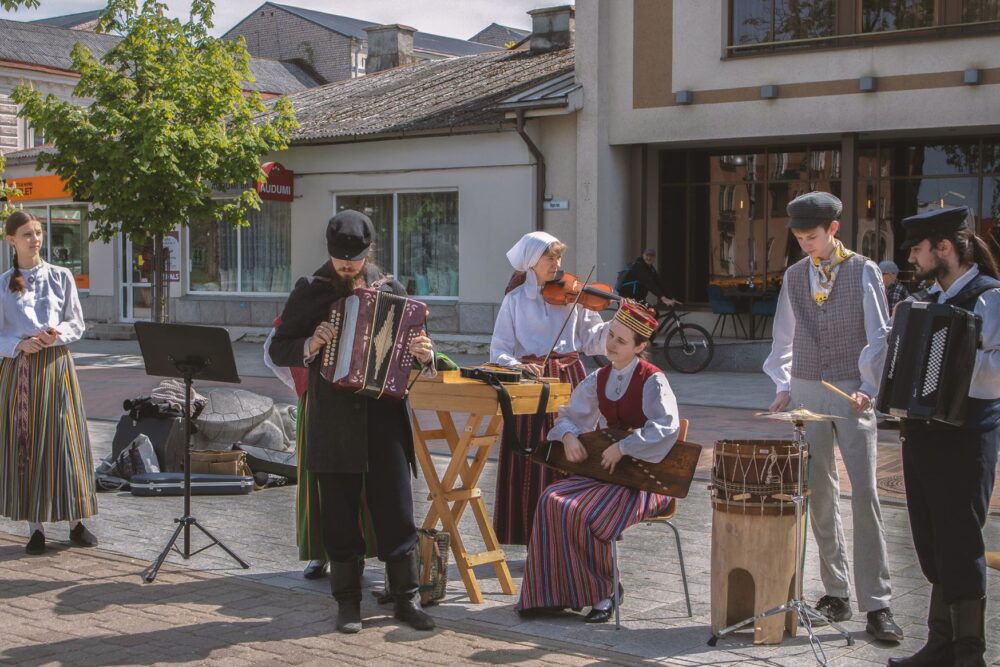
[[968, 619], [404, 582], [345, 584], [937, 650]]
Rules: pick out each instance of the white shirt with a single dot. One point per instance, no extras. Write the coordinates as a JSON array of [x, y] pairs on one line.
[[50, 299], [526, 325], [650, 443], [778, 364], [986, 373]]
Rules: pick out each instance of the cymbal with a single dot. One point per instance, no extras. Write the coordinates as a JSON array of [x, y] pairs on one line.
[[797, 415]]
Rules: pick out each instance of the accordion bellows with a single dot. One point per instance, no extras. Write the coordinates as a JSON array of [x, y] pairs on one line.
[[370, 351], [929, 363]]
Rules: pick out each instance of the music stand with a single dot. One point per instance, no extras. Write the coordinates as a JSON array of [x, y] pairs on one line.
[[187, 351]]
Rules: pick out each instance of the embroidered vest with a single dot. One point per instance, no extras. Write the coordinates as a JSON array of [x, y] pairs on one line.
[[627, 411]]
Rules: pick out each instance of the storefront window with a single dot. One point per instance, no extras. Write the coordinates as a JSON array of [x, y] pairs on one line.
[[884, 15], [416, 237], [760, 21], [252, 259], [66, 238]]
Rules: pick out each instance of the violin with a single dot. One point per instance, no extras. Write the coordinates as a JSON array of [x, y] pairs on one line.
[[567, 289]]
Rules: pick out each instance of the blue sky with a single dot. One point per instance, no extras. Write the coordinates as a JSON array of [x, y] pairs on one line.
[[454, 18]]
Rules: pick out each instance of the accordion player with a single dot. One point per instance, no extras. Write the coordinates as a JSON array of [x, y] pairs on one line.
[[370, 353], [929, 362]]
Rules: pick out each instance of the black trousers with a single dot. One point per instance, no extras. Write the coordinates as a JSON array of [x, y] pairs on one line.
[[949, 474], [387, 489]]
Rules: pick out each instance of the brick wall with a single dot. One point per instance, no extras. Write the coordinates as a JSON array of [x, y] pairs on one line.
[[279, 35]]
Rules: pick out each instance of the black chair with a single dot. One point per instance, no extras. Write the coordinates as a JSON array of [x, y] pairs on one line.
[[724, 307], [764, 309]]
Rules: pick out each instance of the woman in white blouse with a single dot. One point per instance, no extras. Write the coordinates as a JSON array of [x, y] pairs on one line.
[[569, 560], [46, 469], [525, 331]]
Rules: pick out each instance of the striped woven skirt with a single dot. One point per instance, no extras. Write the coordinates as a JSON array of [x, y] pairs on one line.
[[46, 469], [520, 481], [569, 560], [308, 520]]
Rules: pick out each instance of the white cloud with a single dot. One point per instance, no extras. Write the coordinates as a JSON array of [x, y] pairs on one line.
[[454, 18]]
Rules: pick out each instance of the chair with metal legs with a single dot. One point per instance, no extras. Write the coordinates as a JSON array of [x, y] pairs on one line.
[[663, 518]]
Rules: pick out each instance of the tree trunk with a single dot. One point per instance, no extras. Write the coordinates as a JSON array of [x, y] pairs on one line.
[[160, 293]]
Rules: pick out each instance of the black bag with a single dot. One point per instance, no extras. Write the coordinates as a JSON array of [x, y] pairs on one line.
[[167, 436], [172, 484], [270, 461]]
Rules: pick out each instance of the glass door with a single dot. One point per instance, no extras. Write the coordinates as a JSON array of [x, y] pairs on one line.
[[136, 279]]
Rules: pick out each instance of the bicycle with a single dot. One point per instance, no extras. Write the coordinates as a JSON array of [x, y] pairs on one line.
[[687, 348]]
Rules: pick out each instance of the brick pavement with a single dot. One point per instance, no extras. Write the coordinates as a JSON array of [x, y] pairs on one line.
[[86, 607]]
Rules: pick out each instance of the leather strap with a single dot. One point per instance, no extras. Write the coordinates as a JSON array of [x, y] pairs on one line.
[[510, 439]]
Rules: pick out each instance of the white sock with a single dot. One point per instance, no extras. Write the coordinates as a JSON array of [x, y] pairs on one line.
[[32, 527], [603, 605]]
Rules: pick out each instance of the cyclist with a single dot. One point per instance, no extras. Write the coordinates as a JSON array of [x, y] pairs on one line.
[[640, 278]]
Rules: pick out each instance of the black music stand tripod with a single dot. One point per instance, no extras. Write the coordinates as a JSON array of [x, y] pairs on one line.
[[187, 351]]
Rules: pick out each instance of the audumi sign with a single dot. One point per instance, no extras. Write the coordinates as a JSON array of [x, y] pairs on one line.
[[279, 184]]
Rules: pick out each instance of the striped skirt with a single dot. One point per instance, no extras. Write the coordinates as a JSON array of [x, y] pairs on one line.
[[308, 520], [46, 469], [520, 481], [569, 557]]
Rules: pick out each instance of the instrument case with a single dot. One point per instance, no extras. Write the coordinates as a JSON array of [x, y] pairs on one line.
[[172, 484]]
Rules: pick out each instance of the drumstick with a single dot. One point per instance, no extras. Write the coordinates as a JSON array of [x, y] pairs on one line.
[[837, 391]]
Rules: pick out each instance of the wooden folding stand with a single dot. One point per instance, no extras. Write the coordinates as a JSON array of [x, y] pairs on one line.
[[449, 394]]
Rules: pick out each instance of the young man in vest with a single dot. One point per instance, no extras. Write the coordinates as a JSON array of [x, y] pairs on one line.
[[950, 471], [831, 324]]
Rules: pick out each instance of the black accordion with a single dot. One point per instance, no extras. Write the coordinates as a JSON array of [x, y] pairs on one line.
[[929, 364]]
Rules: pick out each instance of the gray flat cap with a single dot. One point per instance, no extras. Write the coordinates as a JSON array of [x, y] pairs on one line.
[[888, 266], [812, 210]]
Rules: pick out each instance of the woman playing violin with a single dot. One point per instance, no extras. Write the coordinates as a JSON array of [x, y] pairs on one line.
[[569, 560], [525, 331]]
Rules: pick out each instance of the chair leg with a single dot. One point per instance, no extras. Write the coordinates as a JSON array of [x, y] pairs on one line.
[[614, 593], [680, 557], [719, 317], [738, 320]]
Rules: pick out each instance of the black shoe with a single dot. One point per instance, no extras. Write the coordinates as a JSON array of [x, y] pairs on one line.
[[315, 569], [404, 582], [81, 537], [605, 615], [937, 651], [345, 584], [36, 545], [883, 627], [833, 609]]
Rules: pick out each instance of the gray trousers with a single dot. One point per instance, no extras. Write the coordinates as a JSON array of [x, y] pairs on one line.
[[856, 435]]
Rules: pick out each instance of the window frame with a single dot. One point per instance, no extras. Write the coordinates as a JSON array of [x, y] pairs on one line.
[[395, 192], [84, 246], [187, 261]]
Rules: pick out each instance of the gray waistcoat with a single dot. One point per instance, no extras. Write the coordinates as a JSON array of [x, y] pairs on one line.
[[828, 339]]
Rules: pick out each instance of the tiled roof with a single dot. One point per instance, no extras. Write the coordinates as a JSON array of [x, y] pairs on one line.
[[551, 93], [422, 41], [48, 46], [430, 95], [72, 20], [499, 35]]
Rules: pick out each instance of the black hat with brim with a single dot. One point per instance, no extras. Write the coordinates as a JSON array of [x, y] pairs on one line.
[[348, 235], [813, 209], [938, 221]]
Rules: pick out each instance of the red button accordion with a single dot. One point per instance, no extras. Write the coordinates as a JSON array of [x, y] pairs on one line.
[[370, 351], [930, 360]]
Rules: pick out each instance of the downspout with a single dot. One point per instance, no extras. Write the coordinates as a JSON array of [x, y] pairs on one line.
[[539, 172]]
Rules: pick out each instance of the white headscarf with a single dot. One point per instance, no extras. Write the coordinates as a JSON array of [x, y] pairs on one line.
[[526, 252]]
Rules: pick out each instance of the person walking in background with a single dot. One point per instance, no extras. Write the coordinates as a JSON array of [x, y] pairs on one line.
[[895, 291], [46, 468]]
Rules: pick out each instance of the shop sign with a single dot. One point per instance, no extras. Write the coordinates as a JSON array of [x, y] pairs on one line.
[[278, 186], [39, 187]]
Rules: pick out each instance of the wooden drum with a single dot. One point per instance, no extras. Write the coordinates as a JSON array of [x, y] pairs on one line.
[[753, 534]]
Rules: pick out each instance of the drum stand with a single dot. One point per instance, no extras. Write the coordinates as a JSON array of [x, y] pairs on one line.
[[807, 615]]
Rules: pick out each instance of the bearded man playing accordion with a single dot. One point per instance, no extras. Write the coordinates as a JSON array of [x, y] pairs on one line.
[[355, 442]]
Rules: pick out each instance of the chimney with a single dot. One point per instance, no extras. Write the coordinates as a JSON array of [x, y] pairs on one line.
[[552, 28], [389, 46]]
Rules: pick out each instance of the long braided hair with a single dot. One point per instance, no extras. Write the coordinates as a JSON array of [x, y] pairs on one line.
[[14, 222]]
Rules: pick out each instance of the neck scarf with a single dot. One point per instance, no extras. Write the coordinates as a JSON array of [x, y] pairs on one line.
[[826, 271]]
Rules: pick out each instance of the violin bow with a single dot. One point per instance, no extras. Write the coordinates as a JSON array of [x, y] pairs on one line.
[[568, 315]]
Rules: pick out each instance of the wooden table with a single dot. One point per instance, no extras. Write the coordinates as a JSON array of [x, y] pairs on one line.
[[447, 395]]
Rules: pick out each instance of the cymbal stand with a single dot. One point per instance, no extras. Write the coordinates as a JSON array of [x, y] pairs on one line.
[[807, 615]]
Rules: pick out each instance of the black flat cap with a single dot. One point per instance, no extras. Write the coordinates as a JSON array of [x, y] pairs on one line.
[[936, 221], [812, 210], [348, 235]]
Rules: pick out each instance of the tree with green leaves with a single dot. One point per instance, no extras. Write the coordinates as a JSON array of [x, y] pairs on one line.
[[13, 5], [169, 126]]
